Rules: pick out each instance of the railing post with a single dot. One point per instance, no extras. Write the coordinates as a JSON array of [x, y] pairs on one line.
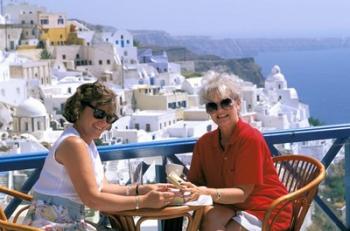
[[347, 184], [160, 177]]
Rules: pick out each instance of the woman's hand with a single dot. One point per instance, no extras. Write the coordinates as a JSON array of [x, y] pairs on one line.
[[145, 188], [157, 199], [195, 191]]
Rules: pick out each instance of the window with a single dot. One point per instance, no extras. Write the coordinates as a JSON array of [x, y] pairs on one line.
[[23, 22], [121, 36], [44, 21], [100, 62], [63, 56], [61, 36], [77, 56], [38, 125], [128, 41], [26, 126], [108, 61], [125, 53], [137, 126], [116, 42], [60, 21], [31, 22], [148, 127]]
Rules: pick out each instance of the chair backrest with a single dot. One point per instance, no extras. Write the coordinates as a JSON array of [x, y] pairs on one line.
[[5, 224], [301, 175]]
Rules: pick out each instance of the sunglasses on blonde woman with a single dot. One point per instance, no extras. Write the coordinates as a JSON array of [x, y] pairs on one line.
[[225, 104], [101, 114]]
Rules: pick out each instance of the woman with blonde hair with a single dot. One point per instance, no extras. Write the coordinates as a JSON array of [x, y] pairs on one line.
[[233, 164]]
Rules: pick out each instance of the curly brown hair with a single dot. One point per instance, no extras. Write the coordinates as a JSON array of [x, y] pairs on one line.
[[88, 93]]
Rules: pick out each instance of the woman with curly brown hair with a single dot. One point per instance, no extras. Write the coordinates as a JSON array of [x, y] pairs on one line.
[[73, 177]]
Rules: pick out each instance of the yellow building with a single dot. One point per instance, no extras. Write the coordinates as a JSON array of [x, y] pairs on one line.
[[56, 31]]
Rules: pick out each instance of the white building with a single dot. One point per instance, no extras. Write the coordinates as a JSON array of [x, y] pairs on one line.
[[55, 95], [31, 117], [23, 13], [37, 71], [101, 60], [279, 107], [10, 35], [153, 120], [192, 85], [13, 91], [123, 40], [82, 32]]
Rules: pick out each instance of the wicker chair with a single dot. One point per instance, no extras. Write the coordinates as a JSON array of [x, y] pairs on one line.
[[5, 224], [301, 175]]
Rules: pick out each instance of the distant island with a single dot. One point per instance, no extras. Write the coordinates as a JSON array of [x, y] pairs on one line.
[[230, 55]]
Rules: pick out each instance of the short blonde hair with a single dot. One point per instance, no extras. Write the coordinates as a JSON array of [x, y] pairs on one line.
[[220, 84]]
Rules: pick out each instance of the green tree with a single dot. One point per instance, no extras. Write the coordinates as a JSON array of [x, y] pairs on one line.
[[315, 122], [45, 54], [136, 43], [190, 74]]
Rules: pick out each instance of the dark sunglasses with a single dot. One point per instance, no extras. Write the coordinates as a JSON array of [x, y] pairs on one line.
[[101, 114], [224, 104]]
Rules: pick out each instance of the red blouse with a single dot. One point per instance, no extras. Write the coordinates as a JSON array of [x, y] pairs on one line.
[[247, 160]]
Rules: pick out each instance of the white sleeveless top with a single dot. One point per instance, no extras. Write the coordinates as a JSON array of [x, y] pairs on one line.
[[54, 179]]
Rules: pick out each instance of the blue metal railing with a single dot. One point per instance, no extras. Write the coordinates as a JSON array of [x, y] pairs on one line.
[[167, 149]]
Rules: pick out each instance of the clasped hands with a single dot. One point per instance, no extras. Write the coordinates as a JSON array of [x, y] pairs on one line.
[[161, 195]]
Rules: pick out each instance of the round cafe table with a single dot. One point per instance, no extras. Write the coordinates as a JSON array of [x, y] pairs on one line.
[[124, 220]]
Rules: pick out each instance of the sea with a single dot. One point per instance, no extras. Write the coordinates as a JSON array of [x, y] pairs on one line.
[[321, 78]]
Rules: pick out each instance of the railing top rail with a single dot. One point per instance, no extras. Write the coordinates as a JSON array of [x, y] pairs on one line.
[[168, 147]]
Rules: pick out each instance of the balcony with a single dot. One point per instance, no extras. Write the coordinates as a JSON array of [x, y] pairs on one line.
[[336, 135]]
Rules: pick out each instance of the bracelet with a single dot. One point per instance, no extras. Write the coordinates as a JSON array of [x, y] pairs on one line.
[[137, 200], [137, 189], [218, 195], [128, 187]]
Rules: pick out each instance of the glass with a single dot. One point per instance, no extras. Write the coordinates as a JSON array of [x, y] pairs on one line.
[[101, 114], [224, 104], [136, 171]]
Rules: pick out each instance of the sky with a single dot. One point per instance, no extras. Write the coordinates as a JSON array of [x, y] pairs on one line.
[[216, 18]]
